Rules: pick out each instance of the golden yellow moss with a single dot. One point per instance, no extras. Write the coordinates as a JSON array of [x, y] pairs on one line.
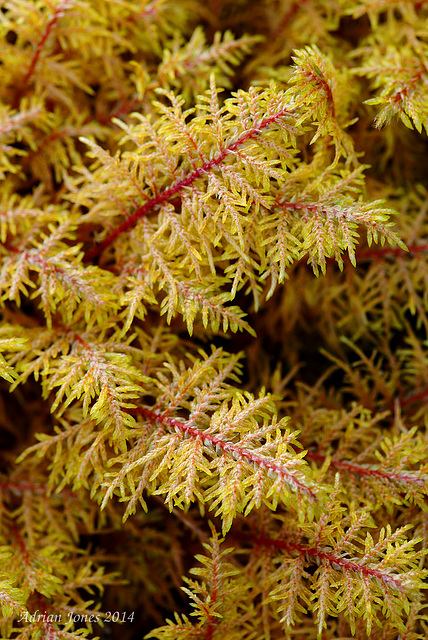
[[213, 224]]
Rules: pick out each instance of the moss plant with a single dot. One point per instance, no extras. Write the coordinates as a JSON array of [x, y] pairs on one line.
[[214, 317]]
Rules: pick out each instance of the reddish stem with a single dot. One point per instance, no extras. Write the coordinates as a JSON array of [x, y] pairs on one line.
[[39, 48], [365, 471], [228, 447], [330, 558], [414, 397], [178, 187]]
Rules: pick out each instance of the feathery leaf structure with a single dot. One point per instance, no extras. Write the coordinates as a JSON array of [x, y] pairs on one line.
[[175, 177]]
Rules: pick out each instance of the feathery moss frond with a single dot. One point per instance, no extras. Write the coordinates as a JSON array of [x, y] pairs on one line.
[[213, 301]]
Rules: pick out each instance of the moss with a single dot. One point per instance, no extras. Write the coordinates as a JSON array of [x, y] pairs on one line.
[[213, 334]]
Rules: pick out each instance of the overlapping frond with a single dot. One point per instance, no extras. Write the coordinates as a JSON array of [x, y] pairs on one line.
[[11, 599], [191, 62], [103, 378], [16, 127], [376, 470], [214, 167], [394, 57], [231, 456], [44, 574], [321, 219], [317, 90], [161, 178], [62, 283], [216, 596], [9, 344], [334, 567]]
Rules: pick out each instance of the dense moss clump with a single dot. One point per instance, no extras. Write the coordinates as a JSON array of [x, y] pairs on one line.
[[214, 316]]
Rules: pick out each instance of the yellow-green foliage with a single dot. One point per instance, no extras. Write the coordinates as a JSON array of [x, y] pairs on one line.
[[214, 318]]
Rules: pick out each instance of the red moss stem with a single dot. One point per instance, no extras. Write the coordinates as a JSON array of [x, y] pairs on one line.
[[331, 559], [58, 13], [365, 471], [414, 397], [227, 447], [178, 187]]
